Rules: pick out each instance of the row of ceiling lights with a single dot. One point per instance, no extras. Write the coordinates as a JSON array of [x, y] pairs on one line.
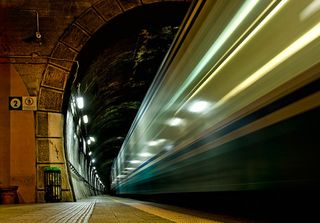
[[91, 139]]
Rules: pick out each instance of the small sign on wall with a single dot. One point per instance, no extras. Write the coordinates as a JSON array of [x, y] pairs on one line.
[[15, 103], [23, 103], [29, 103]]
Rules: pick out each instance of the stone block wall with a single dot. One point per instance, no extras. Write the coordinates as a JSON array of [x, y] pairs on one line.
[[42, 68]]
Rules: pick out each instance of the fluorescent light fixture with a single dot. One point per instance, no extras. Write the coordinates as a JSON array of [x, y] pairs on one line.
[[85, 119], [92, 139], [146, 154], [175, 121], [94, 167], [90, 153], [135, 161], [80, 102], [88, 141], [93, 160], [198, 106]]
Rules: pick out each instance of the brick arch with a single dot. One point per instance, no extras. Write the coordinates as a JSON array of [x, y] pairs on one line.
[[49, 117], [55, 76]]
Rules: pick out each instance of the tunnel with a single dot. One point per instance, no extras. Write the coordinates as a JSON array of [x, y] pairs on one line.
[[159, 111], [117, 66]]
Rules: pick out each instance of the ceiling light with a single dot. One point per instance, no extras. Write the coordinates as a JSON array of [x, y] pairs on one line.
[[92, 139], [93, 160], [90, 153], [85, 119], [80, 102]]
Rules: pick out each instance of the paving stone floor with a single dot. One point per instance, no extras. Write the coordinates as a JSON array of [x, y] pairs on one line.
[[102, 209]]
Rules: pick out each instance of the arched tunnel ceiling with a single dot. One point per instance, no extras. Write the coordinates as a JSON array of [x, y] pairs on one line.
[[117, 67]]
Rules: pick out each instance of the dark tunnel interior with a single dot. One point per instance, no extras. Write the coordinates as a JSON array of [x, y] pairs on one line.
[[116, 68]]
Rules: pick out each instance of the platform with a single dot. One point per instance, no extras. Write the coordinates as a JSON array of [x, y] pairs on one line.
[[103, 209]]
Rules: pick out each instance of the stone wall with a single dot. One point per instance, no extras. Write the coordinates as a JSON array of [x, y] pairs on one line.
[[42, 68]]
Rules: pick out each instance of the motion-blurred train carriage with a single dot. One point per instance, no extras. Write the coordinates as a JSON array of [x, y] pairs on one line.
[[234, 106]]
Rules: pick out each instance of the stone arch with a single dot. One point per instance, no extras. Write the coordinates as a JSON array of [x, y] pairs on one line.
[[49, 118], [70, 44]]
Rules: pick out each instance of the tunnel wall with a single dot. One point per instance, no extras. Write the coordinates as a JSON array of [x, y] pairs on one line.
[[77, 158], [44, 66]]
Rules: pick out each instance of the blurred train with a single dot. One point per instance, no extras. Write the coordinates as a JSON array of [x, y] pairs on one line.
[[234, 106]]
